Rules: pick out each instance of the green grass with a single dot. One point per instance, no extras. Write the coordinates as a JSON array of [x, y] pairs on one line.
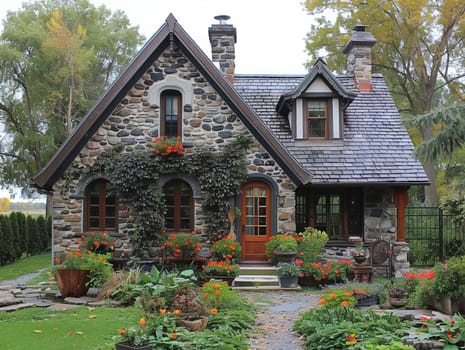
[[25, 266], [80, 328]]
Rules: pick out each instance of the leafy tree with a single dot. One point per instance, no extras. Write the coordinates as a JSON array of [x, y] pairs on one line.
[[419, 50], [57, 56], [4, 205]]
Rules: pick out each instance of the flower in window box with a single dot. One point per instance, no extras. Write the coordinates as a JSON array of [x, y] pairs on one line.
[[164, 146]]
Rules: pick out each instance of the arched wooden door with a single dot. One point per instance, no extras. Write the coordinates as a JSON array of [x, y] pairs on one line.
[[256, 220]]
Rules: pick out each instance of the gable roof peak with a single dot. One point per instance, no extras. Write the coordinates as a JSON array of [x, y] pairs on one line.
[[171, 21]]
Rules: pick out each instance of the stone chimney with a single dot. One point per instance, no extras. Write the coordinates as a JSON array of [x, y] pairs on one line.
[[222, 39], [358, 51]]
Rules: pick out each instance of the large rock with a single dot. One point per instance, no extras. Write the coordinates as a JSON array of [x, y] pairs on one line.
[[7, 298]]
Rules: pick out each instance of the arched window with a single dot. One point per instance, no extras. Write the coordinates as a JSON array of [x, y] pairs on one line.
[[179, 202], [171, 116], [101, 207]]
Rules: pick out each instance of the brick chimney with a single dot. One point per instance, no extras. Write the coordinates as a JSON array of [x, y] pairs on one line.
[[222, 39], [358, 51]]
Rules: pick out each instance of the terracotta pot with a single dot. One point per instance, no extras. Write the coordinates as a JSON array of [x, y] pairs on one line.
[[73, 283], [194, 325]]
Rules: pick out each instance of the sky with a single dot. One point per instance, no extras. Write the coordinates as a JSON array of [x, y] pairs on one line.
[[270, 33]]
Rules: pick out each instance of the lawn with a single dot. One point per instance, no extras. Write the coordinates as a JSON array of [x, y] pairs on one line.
[[25, 266], [80, 328]]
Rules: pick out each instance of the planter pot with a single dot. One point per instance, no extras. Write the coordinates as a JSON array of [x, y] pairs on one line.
[[285, 257], [367, 301], [194, 325], [447, 305], [228, 279], [397, 302], [73, 283], [359, 259], [288, 281], [129, 346]]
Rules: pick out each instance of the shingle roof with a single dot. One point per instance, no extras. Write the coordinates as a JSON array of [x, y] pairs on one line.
[[376, 148]]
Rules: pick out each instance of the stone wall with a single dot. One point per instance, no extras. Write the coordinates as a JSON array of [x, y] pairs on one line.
[[207, 122]]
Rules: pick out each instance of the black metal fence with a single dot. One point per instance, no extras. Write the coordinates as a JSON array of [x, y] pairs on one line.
[[432, 235]]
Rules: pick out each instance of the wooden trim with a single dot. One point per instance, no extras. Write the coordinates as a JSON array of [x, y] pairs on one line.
[[177, 207], [163, 96], [102, 194], [306, 118], [401, 201]]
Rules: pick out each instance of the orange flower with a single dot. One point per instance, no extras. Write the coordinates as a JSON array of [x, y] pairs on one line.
[[214, 311], [333, 296], [121, 331], [142, 321], [163, 311], [347, 294], [173, 336], [345, 303], [322, 301], [177, 312]]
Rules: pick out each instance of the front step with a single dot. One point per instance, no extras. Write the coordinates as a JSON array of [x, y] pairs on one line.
[[257, 277]]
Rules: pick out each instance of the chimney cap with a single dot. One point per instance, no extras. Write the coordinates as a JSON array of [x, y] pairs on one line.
[[360, 37], [222, 19]]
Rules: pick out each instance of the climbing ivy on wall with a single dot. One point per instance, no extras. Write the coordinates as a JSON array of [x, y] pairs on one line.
[[134, 176]]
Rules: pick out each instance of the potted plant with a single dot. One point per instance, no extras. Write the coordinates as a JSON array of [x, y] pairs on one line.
[[359, 253], [181, 246], [226, 249], [288, 274], [398, 296], [281, 248], [224, 270], [365, 293], [76, 271]]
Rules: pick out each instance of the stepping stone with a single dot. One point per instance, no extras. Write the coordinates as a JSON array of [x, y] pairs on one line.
[[16, 307], [7, 298]]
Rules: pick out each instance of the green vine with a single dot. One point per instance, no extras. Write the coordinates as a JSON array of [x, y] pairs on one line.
[[134, 177]]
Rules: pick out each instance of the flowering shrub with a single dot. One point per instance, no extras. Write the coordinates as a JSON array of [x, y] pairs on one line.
[[449, 332], [98, 242], [289, 269], [226, 248], [181, 245], [156, 328], [164, 146], [221, 268], [335, 297], [310, 244], [330, 271]]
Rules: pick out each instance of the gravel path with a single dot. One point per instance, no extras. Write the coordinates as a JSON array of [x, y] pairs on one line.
[[275, 318]]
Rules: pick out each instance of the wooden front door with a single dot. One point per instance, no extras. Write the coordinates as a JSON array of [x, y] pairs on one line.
[[256, 220]]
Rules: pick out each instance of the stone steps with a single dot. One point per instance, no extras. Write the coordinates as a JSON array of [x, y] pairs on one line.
[[257, 277]]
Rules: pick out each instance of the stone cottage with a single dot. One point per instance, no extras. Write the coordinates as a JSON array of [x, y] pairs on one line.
[[327, 150]]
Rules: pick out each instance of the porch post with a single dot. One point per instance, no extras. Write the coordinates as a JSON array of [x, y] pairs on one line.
[[401, 201]]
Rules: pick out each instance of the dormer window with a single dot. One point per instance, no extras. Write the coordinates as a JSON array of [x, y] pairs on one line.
[[171, 113], [317, 116], [315, 107]]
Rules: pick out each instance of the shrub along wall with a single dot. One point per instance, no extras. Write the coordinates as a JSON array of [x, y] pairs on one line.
[[22, 234]]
